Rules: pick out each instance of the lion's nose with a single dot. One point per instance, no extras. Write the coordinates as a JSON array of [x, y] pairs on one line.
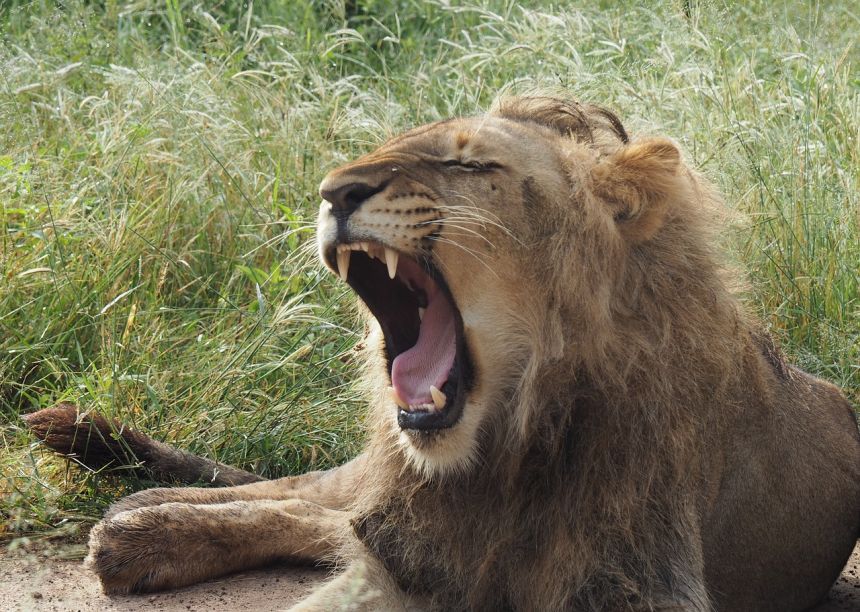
[[346, 197]]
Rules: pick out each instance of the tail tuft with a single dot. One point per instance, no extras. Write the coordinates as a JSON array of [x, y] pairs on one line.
[[97, 443], [90, 438]]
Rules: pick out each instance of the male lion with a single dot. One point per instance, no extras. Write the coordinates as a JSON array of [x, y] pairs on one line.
[[573, 411]]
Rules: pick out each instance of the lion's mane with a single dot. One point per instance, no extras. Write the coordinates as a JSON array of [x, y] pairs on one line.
[[590, 454]]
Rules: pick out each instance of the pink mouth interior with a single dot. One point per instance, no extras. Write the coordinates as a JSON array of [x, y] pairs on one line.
[[431, 359]]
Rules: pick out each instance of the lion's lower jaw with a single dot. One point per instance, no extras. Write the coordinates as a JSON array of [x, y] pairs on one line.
[[446, 451]]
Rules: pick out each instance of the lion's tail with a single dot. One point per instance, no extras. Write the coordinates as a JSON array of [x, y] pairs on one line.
[[97, 442]]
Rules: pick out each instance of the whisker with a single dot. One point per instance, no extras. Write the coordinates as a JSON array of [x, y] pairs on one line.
[[467, 232], [460, 223], [476, 214], [466, 250], [458, 236]]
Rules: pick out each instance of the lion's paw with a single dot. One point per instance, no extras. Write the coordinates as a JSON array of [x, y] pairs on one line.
[[135, 551]]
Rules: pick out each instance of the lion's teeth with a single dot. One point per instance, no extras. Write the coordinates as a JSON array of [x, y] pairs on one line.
[[343, 256], [391, 257], [396, 398], [421, 312], [365, 246], [439, 398]]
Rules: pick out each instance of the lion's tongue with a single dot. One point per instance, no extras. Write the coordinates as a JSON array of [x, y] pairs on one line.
[[431, 359]]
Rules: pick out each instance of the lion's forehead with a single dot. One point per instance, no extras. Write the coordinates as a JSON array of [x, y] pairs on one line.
[[478, 136]]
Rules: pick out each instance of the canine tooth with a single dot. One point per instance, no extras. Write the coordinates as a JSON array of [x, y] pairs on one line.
[[421, 312], [343, 256], [439, 398], [391, 257], [397, 400], [365, 246]]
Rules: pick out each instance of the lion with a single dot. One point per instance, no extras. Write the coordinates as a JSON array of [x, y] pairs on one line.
[[571, 409]]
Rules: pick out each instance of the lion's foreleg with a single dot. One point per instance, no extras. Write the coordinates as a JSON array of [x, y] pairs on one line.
[[176, 544], [333, 489]]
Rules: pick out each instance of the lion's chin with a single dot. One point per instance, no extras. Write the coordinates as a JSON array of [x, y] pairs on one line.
[[428, 363], [444, 452]]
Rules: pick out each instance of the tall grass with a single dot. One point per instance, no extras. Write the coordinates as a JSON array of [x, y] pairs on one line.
[[158, 173]]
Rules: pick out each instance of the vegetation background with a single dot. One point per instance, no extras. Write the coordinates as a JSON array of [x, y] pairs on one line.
[[159, 161]]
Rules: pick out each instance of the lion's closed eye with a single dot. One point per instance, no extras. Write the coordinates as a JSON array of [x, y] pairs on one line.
[[471, 165]]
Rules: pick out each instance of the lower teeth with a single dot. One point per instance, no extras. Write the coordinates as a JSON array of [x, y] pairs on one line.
[[438, 397], [439, 400]]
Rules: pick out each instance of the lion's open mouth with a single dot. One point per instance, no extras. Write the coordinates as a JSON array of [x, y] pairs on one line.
[[428, 363]]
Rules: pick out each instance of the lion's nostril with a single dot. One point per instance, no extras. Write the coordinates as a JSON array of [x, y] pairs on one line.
[[345, 199]]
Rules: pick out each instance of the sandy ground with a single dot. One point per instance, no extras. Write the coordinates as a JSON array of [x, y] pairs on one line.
[[51, 584], [45, 584]]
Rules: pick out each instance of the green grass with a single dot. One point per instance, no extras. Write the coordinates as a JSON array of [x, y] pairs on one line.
[[158, 175]]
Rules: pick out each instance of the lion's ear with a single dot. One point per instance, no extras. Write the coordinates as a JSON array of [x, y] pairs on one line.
[[637, 183]]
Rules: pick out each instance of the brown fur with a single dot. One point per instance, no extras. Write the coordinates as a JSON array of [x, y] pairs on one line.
[[633, 440]]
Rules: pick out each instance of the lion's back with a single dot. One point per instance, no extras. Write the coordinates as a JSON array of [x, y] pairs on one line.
[[788, 510]]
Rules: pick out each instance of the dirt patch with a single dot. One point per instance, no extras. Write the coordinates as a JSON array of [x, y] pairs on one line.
[[40, 584], [845, 594], [50, 584]]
